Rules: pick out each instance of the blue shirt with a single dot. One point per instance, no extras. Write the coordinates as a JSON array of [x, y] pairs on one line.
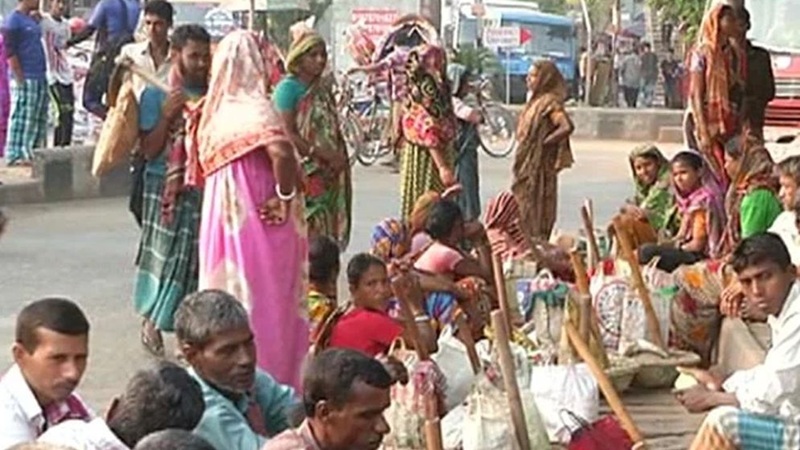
[[150, 104], [288, 93], [23, 39], [224, 422], [107, 18]]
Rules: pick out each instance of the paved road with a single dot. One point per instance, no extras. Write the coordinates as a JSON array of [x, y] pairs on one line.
[[85, 250]]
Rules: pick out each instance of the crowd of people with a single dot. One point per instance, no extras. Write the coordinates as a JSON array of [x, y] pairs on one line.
[[243, 223]]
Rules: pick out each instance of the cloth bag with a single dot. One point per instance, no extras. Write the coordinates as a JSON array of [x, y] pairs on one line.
[[486, 424], [119, 133], [406, 414], [452, 360], [570, 387], [609, 290], [603, 434]]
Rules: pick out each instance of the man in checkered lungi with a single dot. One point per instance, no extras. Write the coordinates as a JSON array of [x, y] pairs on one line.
[[757, 408], [27, 126]]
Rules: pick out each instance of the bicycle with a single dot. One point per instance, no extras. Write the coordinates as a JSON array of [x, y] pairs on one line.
[[498, 121], [367, 120]]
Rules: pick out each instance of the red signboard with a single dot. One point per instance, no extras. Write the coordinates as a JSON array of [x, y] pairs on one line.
[[377, 22]]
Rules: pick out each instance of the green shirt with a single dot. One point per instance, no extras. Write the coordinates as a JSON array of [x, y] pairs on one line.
[[224, 422], [288, 93], [759, 210]]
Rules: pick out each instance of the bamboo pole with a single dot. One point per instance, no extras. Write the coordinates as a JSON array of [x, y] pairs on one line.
[[588, 228], [465, 334], [606, 386], [644, 294], [501, 341], [500, 286], [585, 298]]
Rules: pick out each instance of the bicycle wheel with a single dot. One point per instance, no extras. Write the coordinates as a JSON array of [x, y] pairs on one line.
[[375, 147], [498, 123], [353, 137], [502, 152]]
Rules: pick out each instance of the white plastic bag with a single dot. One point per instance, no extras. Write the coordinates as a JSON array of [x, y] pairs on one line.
[[486, 423], [454, 363], [569, 387]]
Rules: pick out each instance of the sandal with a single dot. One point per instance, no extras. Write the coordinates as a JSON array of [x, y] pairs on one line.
[[152, 339]]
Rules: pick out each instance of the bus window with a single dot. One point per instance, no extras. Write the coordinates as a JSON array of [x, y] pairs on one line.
[[467, 31]]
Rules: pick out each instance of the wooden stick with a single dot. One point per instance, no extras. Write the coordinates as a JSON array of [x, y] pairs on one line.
[[433, 426], [588, 228], [500, 286], [465, 335], [644, 294], [585, 298], [606, 386], [501, 341]]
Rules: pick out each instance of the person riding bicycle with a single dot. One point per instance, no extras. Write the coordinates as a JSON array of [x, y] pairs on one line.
[[410, 31]]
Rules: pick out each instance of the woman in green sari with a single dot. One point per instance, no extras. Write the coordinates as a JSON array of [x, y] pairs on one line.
[[652, 209], [305, 101]]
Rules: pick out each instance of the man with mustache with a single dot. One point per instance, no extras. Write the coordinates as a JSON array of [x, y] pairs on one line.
[[244, 406], [761, 404], [345, 395], [50, 352]]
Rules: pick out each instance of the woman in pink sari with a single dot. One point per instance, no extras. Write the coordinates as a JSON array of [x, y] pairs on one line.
[[252, 235]]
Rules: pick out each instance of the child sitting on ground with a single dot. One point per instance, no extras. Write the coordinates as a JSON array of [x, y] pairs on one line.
[[323, 274]]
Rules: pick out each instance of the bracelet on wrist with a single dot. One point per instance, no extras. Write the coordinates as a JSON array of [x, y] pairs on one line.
[[422, 318], [285, 197]]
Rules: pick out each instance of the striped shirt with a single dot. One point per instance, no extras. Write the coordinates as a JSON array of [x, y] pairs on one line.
[[55, 34]]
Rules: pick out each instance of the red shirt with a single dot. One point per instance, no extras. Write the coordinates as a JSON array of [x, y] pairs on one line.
[[365, 330]]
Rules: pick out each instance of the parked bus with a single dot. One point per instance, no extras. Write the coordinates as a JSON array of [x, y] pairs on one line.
[[551, 37]]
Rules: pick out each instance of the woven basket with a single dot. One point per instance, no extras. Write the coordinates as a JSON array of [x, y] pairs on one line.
[[657, 372], [621, 371]]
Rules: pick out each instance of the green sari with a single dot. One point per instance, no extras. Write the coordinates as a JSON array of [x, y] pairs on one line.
[[328, 196], [656, 199]]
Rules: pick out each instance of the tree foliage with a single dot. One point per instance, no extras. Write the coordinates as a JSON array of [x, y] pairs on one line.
[[686, 13]]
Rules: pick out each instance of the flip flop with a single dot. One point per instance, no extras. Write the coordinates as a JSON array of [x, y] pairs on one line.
[[151, 339]]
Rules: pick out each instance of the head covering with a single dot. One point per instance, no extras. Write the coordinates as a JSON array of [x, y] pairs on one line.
[[304, 43], [422, 207], [756, 171], [455, 74], [390, 240], [720, 73], [709, 197], [238, 89], [546, 88], [502, 226], [655, 198], [410, 23]]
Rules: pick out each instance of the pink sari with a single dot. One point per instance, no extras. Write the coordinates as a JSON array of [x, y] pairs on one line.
[[263, 265]]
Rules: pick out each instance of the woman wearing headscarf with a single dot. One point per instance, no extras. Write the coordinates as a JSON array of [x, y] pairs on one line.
[[428, 127], [305, 101], [253, 237], [751, 203], [717, 70], [650, 214], [467, 141], [543, 135]]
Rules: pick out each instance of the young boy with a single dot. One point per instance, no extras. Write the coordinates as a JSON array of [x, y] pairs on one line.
[[55, 34]]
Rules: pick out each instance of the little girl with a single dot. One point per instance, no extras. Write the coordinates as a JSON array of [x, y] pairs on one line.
[[700, 208]]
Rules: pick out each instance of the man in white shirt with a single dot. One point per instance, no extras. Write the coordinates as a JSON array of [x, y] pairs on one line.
[[761, 404], [50, 351], [152, 53], [55, 34], [159, 398]]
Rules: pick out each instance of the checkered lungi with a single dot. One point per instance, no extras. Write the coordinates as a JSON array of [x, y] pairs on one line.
[[27, 124], [729, 428]]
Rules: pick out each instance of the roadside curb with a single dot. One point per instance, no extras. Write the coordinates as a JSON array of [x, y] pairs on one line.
[[65, 173]]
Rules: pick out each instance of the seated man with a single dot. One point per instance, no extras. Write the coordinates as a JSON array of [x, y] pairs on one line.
[[155, 399], [346, 393], [174, 440], [761, 404], [50, 351], [244, 406]]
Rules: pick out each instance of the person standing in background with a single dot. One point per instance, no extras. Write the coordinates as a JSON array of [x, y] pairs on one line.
[[649, 74], [56, 32], [760, 86], [28, 122], [630, 77]]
